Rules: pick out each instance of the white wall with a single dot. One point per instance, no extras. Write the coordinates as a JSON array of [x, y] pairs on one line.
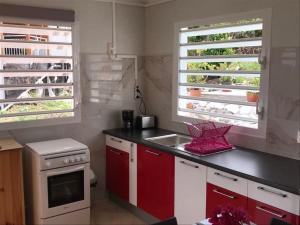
[[284, 85], [160, 20], [95, 21]]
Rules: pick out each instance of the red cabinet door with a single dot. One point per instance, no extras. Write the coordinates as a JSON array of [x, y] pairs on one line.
[[262, 214], [217, 196], [117, 172], [155, 179]]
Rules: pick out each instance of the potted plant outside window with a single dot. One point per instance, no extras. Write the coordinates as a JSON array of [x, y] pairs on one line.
[[253, 96], [190, 105], [195, 92]]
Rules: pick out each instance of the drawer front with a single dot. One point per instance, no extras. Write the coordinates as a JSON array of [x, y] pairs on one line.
[[118, 143], [227, 181], [262, 214], [218, 196], [274, 197]]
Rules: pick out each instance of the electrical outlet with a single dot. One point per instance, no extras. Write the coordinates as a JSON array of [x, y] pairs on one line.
[[137, 92], [298, 137]]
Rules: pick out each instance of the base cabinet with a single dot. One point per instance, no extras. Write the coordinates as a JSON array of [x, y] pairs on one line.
[[262, 214], [117, 172], [190, 191], [155, 182], [167, 186], [217, 196]]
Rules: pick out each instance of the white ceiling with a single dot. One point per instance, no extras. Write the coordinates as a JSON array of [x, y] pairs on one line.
[[144, 3]]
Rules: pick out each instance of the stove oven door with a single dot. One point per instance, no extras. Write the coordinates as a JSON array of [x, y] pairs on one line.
[[65, 190]]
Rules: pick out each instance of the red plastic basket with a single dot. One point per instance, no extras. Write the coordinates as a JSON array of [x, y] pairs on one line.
[[208, 138]]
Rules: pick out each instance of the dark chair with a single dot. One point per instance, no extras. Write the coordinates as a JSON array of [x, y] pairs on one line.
[[171, 221], [278, 222]]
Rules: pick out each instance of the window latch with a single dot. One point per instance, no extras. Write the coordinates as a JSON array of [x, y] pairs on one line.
[[260, 109], [262, 60]]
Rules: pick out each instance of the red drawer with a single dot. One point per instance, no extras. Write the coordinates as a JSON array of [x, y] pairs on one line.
[[217, 196], [262, 214]]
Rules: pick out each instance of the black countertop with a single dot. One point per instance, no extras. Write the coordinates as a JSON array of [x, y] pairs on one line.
[[275, 171]]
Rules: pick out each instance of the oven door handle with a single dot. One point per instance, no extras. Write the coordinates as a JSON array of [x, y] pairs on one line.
[[49, 174]]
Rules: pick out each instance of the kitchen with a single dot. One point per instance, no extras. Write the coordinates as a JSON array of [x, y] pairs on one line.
[[144, 38]]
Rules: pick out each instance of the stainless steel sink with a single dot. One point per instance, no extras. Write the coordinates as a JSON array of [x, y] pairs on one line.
[[173, 140], [178, 142]]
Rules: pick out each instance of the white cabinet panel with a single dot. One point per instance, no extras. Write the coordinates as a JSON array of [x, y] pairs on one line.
[[227, 181], [274, 197], [118, 143], [190, 191], [133, 174]]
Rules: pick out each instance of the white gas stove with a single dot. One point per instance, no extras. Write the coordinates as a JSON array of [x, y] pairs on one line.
[[57, 182]]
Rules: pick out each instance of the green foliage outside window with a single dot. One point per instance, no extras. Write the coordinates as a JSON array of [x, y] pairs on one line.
[[225, 66]]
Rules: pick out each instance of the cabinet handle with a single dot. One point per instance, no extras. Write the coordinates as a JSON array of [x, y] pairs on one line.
[[117, 153], [221, 193], [131, 152], [189, 164], [270, 212], [2, 189], [153, 153], [224, 176], [272, 192], [116, 140]]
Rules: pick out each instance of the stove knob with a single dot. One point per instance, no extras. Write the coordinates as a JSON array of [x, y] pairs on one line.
[[78, 159], [83, 158], [72, 160], [66, 161], [48, 164]]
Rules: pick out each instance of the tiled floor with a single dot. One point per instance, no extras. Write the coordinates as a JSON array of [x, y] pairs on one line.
[[106, 212]]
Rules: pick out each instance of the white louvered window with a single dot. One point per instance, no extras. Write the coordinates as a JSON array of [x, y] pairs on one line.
[[222, 71], [38, 74]]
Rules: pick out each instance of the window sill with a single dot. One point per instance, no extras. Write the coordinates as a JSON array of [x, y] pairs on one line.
[[235, 130], [40, 123]]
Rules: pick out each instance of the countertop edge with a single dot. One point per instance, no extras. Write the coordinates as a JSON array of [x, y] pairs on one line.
[[8, 144]]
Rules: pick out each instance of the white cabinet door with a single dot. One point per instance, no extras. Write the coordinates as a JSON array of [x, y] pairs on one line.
[[190, 191]]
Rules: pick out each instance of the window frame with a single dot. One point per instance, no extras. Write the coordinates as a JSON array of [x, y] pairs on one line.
[[76, 78], [266, 15]]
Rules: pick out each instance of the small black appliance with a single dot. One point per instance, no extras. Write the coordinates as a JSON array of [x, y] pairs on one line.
[[128, 118]]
